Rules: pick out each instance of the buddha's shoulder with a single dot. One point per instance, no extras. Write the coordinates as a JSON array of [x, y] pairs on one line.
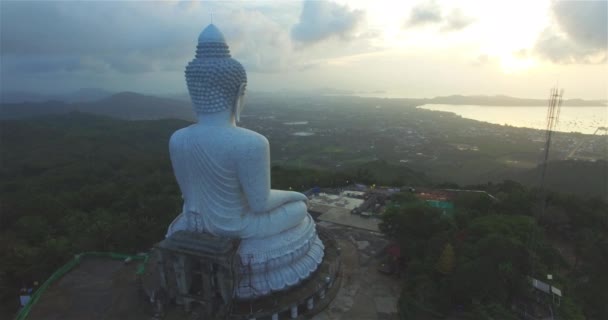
[[251, 138], [236, 135], [179, 135]]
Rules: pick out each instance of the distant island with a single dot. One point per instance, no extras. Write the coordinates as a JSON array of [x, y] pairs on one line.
[[502, 100], [136, 106], [96, 94], [456, 99]]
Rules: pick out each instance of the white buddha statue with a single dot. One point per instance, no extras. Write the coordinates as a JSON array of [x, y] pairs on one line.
[[223, 172]]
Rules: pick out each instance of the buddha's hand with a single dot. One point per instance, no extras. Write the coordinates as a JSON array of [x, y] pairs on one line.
[[297, 196], [278, 198]]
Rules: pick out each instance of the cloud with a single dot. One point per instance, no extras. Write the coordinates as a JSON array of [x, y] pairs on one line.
[[258, 42], [37, 64], [481, 60], [430, 14], [456, 20], [123, 37], [425, 13], [311, 65], [578, 33], [138, 38], [585, 22], [321, 20], [71, 41]]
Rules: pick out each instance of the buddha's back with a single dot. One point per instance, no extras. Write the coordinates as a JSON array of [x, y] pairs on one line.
[[223, 172], [204, 161]]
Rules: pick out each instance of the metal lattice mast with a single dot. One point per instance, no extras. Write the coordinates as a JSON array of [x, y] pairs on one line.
[[553, 111], [555, 102]]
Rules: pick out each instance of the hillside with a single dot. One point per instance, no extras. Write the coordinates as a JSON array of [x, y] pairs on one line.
[[80, 182], [76, 182], [348, 132], [80, 95], [135, 106], [125, 105], [580, 177]]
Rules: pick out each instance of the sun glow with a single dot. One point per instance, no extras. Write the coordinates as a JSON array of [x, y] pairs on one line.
[[511, 64], [500, 30]]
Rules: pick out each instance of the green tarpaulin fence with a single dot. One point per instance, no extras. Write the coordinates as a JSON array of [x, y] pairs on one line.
[[23, 313]]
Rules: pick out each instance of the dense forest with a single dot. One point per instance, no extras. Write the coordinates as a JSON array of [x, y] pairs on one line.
[[79, 182], [478, 260]]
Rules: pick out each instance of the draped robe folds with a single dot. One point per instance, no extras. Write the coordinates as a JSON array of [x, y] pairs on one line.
[[280, 247], [214, 201]]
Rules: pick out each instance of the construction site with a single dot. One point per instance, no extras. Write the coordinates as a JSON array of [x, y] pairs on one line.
[[361, 206]]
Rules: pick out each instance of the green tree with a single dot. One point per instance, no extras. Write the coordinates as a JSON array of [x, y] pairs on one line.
[[445, 264], [416, 227]]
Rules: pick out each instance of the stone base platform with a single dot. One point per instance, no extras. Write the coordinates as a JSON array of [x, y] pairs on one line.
[[307, 298], [101, 289]]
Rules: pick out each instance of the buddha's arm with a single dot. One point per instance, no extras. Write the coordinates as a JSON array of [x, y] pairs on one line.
[[254, 176], [278, 198]]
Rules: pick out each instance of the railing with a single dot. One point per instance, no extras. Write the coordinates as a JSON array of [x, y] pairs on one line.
[[25, 311]]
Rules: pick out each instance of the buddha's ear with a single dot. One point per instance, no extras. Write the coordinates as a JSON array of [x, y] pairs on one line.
[[240, 102]]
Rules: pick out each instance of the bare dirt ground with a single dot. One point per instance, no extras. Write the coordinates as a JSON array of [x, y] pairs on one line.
[[365, 294], [96, 289], [108, 289]]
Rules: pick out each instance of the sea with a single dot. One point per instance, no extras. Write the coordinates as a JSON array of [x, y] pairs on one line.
[[571, 119]]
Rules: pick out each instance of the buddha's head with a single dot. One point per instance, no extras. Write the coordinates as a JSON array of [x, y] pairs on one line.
[[216, 82]]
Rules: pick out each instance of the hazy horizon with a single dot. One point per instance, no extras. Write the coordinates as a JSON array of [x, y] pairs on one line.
[[324, 92], [422, 49]]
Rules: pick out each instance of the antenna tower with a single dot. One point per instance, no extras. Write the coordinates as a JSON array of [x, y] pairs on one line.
[[553, 110], [555, 104]]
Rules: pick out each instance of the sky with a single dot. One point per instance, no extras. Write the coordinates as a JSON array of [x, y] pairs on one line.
[[394, 48]]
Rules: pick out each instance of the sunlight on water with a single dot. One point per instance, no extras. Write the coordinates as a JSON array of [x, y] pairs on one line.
[[571, 119]]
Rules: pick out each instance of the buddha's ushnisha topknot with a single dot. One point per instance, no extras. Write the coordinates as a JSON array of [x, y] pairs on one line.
[[213, 76]]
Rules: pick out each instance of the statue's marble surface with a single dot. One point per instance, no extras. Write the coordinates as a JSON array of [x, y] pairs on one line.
[[223, 172]]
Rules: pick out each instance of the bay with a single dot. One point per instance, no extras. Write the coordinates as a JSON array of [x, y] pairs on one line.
[[571, 119]]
